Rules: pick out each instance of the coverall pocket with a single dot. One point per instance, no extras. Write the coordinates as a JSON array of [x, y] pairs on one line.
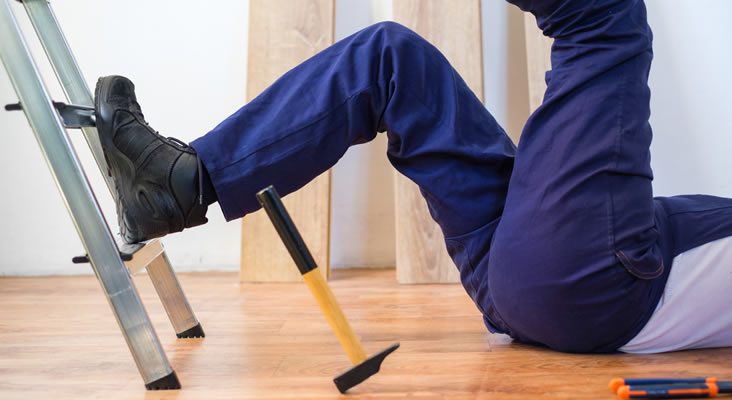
[[643, 262]]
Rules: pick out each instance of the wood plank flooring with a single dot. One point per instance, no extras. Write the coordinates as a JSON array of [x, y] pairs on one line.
[[59, 340]]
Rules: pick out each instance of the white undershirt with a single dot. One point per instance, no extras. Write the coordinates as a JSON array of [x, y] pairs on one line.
[[695, 310]]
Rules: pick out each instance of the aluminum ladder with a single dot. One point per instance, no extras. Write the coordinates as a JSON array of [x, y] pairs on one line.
[[113, 262]]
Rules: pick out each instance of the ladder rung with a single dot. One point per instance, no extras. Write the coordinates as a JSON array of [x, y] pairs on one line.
[[73, 116], [136, 256], [85, 258]]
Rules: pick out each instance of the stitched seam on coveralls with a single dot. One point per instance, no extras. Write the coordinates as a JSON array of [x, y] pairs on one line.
[[699, 211], [614, 164], [323, 116]]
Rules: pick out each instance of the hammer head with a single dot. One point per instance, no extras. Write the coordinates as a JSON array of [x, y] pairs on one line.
[[362, 371]]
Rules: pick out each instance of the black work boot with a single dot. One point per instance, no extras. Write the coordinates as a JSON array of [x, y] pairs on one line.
[[157, 182]]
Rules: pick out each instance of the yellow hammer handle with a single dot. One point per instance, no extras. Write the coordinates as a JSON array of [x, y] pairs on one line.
[[334, 315]]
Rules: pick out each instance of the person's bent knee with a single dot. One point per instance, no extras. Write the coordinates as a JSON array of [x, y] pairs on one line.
[[389, 27], [397, 36]]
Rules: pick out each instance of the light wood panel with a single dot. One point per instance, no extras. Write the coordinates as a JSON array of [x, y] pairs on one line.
[[538, 51], [283, 33], [59, 341], [454, 28]]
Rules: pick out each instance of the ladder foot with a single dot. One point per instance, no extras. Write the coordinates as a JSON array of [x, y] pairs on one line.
[[168, 382], [195, 332]]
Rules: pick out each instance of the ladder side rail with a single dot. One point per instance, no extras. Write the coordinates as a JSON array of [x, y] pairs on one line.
[[67, 71], [79, 199]]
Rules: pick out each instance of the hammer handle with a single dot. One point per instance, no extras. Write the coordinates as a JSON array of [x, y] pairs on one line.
[[270, 200], [272, 204], [335, 317]]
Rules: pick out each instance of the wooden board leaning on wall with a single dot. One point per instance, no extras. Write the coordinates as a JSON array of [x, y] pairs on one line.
[[282, 34]]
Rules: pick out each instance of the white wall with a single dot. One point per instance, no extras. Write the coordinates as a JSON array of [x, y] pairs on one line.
[[188, 60], [692, 87], [362, 227]]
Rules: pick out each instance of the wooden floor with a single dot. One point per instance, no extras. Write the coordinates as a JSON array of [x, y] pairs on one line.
[[267, 341]]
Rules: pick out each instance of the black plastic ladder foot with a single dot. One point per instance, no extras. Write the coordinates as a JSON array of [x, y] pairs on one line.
[[168, 382], [195, 332]]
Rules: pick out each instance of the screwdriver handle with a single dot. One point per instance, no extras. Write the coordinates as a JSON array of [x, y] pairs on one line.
[[616, 383], [676, 391]]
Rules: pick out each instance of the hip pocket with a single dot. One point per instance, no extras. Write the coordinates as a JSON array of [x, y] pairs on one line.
[[644, 262]]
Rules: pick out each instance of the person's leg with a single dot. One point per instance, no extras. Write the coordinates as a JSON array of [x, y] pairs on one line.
[[577, 262], [383, 78]]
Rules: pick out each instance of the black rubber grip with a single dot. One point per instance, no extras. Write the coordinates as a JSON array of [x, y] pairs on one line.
[[195, 332], [270, 200], [168, 382]]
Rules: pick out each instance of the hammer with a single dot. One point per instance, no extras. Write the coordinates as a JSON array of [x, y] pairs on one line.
[[363, 366]]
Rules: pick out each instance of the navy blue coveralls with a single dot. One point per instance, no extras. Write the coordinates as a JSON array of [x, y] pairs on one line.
[[559, 241]]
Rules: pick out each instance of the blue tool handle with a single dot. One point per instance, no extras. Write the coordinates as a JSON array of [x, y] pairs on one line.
[[725, 387], [664, 381]]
